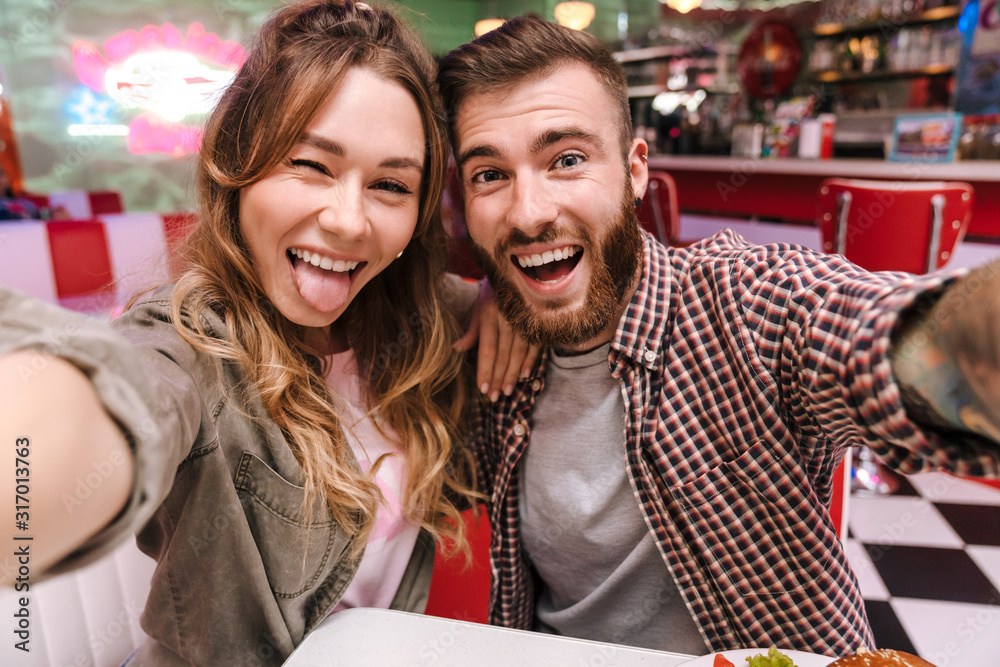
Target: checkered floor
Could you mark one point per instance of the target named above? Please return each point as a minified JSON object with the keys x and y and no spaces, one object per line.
{"x":928,"y":561}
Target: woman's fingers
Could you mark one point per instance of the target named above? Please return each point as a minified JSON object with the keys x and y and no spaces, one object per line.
{"x":489,"y":321}
{"x":504,"y":356}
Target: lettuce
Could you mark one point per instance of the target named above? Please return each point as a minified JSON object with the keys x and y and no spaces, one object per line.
{"x":774,"y":658}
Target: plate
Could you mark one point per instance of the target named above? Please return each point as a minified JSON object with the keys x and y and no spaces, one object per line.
{"x":738,"y":657}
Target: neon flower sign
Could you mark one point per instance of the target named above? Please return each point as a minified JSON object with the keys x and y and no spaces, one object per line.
{"x":167,"y":74}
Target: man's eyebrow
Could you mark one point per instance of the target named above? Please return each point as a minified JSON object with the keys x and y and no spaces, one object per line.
{"x":335,"y":148}
{"x":554,"y":136}
{"x":540,"y":143}
{"x":477,"y":151}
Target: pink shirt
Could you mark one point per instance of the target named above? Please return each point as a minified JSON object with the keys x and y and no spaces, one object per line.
{"x":391,"y":541}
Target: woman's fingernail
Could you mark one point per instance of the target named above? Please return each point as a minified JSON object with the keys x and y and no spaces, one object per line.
{"x":508,"y":390}
{"x":525,"y":372}
{"x":495,"y":396}
{"x":484,"y":388}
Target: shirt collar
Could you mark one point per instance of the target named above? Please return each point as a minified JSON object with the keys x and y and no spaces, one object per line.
{"x":641,"y":329}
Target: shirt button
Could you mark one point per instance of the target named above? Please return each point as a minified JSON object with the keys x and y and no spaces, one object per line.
{"x":536,"y":385}
{"x":519,"y":430}
{"x":649,"y":356}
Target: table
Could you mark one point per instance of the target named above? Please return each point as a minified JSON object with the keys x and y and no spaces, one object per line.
{"x":391,"y":638}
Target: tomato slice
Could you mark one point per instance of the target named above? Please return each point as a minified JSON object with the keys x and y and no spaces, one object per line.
{"x":720,"y":661}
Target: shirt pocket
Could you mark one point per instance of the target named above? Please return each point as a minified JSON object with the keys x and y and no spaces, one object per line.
{"x":758,"y":524}
{"x":297,"y":553}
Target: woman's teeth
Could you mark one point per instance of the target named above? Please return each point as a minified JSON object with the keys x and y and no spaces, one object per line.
{"x":340,"y":266}
{"x":546,"y":257}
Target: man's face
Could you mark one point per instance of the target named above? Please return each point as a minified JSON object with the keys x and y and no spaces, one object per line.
{"x":549,"y":204}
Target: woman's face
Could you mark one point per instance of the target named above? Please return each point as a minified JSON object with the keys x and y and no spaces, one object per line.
{"x":342,"y":204}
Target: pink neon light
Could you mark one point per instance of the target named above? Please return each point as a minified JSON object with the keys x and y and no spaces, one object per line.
{"x":150,"y":134}
{"x":206,"y":45}
{"x":91,"y":65}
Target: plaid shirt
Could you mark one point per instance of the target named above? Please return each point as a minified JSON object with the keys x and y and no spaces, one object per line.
{"x":746,"y":372}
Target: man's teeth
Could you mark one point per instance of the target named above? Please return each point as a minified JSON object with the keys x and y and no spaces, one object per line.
{"x":339,"y":265}
{"x":548,"y":256}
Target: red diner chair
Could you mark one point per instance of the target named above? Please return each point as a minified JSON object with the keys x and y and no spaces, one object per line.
{"x":910,"y":226}
{"x":105,"y":201}
{"x":81,"y":264}
{"x":41,"y":201}
{"x":460,"y":260}
{"x":176,"y":228}
{"x":659,"y":212}
{"x":459,"y":591}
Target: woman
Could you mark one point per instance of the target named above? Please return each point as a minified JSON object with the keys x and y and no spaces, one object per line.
{"x":293,"y":398}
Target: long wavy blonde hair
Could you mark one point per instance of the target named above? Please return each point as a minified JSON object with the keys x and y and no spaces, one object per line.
{"x":400,"y":333}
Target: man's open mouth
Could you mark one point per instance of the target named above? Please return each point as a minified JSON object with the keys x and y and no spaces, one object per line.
{"x":551,"y":265}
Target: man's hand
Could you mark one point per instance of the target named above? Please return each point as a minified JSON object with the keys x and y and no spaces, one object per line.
{"x":947,"y":360}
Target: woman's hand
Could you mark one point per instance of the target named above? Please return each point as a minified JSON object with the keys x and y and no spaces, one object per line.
{"x":503,"y":355}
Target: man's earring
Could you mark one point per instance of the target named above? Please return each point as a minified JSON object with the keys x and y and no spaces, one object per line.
{"x":638,"y":202}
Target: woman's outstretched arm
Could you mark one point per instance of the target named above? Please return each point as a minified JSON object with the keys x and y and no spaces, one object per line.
{"x":66,"y":469}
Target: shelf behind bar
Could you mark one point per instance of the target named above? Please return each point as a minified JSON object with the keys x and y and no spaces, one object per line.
{"x":839,"y":77}
{"x":668,"y":51}
{"x":887,"y":25}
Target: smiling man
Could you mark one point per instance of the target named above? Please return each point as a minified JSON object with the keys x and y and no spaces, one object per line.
{"x":662,"y":477}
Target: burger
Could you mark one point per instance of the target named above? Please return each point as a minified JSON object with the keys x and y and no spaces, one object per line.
{"x":885,"y":657}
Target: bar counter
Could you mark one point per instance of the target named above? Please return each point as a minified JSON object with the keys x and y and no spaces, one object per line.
{"x":786,"y":190}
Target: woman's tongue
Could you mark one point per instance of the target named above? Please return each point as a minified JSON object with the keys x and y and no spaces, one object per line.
{"x":326,"y":291}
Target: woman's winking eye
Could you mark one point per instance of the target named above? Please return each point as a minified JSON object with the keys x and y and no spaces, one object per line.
{"x":311,"y":164}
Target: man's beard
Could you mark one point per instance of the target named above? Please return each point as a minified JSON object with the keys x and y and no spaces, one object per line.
{"x":614,"y":261}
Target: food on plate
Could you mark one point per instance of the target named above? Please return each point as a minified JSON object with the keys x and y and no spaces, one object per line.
{"x":774,"y":658}
{"x":885,"y":657}
{"x":720,"y":661}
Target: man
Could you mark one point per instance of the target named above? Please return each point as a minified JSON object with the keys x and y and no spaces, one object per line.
{"x":662,"y":478}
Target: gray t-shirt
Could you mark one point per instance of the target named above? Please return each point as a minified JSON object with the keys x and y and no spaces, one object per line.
{"x":603,"y":576}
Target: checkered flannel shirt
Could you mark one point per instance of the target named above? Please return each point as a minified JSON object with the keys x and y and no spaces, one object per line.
{"x":746,"y":372}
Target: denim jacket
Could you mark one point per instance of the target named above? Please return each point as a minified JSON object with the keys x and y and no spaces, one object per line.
{"x":217,"y":496}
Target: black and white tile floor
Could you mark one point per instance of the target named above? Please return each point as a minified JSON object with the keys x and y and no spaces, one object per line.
{"x":928,"y":561}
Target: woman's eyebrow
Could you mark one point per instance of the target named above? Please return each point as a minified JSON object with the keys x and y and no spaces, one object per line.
{"x":335,"y":148}
{"x":322,"y":143}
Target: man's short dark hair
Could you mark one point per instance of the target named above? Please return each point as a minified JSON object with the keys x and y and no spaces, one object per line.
{"x":524,"y":48}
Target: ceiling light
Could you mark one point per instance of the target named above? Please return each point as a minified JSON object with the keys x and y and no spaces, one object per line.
{"x":486,"y":25}
{"x":576,"y":15}
{"x":683,"y":6}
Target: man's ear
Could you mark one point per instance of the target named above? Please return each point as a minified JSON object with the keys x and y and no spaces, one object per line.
{"x":637,"y":166}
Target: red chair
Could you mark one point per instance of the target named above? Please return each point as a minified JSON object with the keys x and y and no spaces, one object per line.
{"x":659,"y":212}
{"x":460,"y":260}
{"x":81,"y":264}
{"x":105,"y":201}
{"x":176,"y":228}
{"x":894,"y":225}
{"x":41,"y":201}
{"x":459,"y":592}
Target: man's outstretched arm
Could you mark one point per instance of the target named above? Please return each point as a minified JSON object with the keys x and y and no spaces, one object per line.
{"x":946,"y":356}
